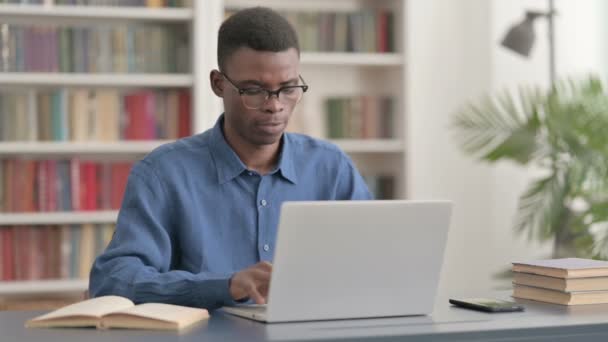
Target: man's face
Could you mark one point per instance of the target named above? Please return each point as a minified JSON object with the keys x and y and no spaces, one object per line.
{"x":249,"y":68}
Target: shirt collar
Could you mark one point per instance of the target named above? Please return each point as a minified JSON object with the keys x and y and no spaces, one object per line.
{"x":286,"y":167}
{"x":229,"y":165}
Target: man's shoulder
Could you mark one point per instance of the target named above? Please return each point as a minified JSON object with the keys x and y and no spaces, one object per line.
{"x":309,"y":145}
{"x":178,"y":150}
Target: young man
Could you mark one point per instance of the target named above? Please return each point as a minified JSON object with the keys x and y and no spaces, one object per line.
{"x":199,"y":217}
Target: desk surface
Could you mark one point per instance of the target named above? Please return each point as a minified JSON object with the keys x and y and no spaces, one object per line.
{"x":540,"y":322}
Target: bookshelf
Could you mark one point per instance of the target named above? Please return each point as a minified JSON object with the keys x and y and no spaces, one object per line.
{"x":370,"y":146}
{"x":63,"y":13}
{"x":36,"y":224}
{"x":330,"y":74}
{"x":142,"y":147}
{"x":58,"y":218}
{"x":46,"y":287}
{"x":358,"y":59}
{"x":87,"y":80}
{"x":35,"y":148}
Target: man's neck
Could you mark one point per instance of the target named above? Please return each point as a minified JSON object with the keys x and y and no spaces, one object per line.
{"x":261,"y":159}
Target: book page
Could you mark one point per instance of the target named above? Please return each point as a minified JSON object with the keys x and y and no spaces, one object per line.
{"x":95,"y":307}
{"x":567,"y":263}
{"x":180,"y":315}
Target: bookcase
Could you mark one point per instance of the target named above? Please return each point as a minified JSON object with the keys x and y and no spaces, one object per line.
{"x":345,"y":76}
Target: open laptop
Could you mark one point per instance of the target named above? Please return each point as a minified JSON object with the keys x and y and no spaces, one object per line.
{"x":354,"y":259}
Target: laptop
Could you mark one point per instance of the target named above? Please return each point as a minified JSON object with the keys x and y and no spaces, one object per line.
{"x":354,"y":259}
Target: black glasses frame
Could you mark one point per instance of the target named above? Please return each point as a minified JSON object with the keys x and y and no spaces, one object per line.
{"x":269,"y":93}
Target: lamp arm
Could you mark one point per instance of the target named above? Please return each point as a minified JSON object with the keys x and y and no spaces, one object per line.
{"x":551,"y":34}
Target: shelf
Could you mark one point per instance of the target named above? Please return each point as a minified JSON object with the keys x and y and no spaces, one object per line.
{"x":144,"y":147}
{"x":308,"y":5}
{"x":52,"y":218}
{"x":370,"y":146}
{"x":79,"y":148}
{"x":96,"y":80}
{"x":351,"y":58}
{"x":63,"y":12}
{"x":43,"y":286}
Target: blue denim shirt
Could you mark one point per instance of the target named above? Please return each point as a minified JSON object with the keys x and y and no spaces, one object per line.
{"x":193,"y":215}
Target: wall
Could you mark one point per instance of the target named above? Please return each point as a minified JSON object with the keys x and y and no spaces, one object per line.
{"x":582,"y":37}
{"x":581,"y":48}
{"x":454,"y":55}
{"x":509,"y":180}
{"x":448,"y":62}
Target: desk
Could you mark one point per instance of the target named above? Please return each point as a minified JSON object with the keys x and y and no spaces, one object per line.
{"x":540,"y":322}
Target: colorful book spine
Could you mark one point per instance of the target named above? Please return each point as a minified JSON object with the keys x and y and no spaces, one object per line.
{"x":62,"y":185}
{"x":134,"y":48}
{"x":363,"y":31}
{"x":51,"y":252}
{"x":95,"y":115}
{"x":381,"y":186}
{"x":361,"y":117}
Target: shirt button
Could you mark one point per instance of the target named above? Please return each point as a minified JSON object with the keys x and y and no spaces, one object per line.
{"x":266,"y":248}
{"x":263,"y":203}
{"x":251,"y":173}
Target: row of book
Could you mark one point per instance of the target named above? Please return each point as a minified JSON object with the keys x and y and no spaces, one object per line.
{"x":129,"y":48}
{"x":567,"y":281}
{"x":127,"y":3}
{"x":362,"y":117}
{"x":368,"y":30}
{"x":61,"y":185}
{"x":22,"y":2}
{"x":52,"y":185}
{"x":51,"y":252}
{"x":382,"y":187}
{"x":94,"y":115}
{"x":363,"y":31}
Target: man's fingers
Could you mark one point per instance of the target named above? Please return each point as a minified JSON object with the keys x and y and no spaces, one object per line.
{"x":255,"y":295}
{"x":263,"y":289}
{"x":260,"y":276}
{"x":265,"y":265}
{"x":254,"y":281}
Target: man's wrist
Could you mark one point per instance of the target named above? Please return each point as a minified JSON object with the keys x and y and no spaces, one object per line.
{"x":241,"y":300}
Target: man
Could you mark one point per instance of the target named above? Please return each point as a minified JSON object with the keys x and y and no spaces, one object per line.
{"x":198,"y":221}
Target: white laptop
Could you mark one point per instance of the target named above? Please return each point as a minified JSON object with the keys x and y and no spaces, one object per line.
{"x":354,"y":259}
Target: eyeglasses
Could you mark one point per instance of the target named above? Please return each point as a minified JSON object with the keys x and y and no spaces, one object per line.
{"x":255,"y":97}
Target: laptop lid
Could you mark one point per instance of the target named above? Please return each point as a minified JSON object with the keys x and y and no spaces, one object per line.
{"x":356,"y":259}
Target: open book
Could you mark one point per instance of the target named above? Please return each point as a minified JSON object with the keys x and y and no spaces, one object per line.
{"x":119,"y":312}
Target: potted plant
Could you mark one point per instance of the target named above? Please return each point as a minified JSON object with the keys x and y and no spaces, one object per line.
{"x":562,"y":133}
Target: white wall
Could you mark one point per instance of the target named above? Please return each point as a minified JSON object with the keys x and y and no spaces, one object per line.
{"x":581,"y":48}
{"x":448,"y":62}
{"x":454,"y":55}
{"x":582,"y":37}
{"x":509,"y":180}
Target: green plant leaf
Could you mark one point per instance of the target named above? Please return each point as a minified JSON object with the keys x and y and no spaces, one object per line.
{"x":520,"y":146}
{"x":564,"y":132}
{"x":502,"y":128}
{"x":542,"y":206}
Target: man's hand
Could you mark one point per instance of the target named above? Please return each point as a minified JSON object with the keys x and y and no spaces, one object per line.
{"x":252,"y":282}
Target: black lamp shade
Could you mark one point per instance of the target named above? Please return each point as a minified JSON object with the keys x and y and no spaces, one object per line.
{"x":520,"y":37}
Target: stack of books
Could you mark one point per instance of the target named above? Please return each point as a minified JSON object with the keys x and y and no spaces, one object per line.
{"x":569,"y":281}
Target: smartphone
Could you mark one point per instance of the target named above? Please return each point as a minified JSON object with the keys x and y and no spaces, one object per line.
{"x":487,"y":304}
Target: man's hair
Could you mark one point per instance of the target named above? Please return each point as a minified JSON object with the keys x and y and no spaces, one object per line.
{"x":258,"y":28}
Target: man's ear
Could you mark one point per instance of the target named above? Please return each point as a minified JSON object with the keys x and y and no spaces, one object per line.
{"x":217,"y":83}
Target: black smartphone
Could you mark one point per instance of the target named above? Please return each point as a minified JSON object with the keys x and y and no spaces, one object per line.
{"x":487,"y":304}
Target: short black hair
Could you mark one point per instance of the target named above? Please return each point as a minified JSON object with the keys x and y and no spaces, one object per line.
{"x":258,"y":28}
